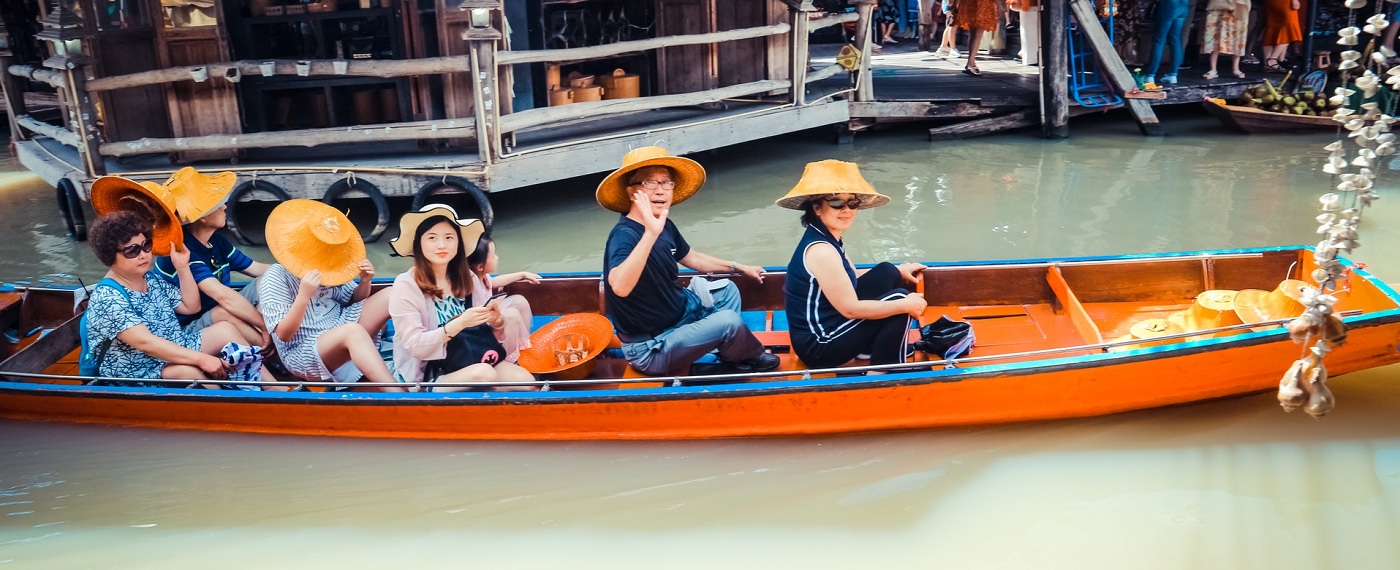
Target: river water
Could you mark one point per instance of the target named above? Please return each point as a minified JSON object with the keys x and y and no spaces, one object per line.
{"x":1228,"y":484}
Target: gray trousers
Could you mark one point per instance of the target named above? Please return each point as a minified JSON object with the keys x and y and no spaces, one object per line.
{"x":701,"y":330}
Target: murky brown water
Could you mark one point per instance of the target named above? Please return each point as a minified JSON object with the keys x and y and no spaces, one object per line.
{"x":1229,"y":484}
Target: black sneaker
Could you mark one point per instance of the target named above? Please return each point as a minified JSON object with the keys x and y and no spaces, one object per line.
{"x":763,"y":363}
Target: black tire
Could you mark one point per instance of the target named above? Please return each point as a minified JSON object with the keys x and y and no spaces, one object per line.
{"x":70,"y":206}
{"x":237,"y":194}
{"x":342,"y":187}
{"x":457,"y":184}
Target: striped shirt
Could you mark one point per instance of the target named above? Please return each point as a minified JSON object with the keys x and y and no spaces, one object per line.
{"x":329,"y":308}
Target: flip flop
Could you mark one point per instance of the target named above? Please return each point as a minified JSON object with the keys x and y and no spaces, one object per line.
{"x":972,"y":71}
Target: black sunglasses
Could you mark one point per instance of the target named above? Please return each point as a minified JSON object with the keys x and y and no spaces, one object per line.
{"x":135,"y":249}
{"x":843,"y":203}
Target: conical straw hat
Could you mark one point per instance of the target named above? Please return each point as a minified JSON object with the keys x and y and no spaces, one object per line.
{"x":196,"y":194}
{"x":1211,"y":309}
{"x":567,"y":343}
{"x":470,"y":228}
{"x":826,"y":177}
{"x":1149,"y":329}
{"x":1284,"y":302}
{"x":689,"y":177}
{"x":305,"y":234}
{"x":113,"y":193}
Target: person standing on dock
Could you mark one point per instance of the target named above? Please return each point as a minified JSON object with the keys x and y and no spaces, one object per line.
{"x":975,"y":16}
{"x":1227,"y":21}
{"x":665,"y":328}
{"x":1166,"y":31}
{"x":199,"y":201}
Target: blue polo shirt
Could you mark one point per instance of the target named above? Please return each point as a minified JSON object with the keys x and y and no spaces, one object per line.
{"x":657,"y":302}
{"x":215,"y":261}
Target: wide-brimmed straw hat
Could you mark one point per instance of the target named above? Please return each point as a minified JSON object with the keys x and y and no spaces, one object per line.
{"x":470,"y":228}
{"x":305,"y":234}
{"x":1284,"y":302}
{"x":688,"y":175}
{"x":114,"y":193}
{"x":567,"y":346}
{"x":196,"y":194}
{"x":826,"y":177}
{"x":1211,"y":309}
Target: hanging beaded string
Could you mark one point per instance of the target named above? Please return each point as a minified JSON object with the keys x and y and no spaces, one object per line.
{"x":1368,"y":128}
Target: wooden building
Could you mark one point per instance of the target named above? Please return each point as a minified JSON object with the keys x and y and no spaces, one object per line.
{"x":368,"y":99}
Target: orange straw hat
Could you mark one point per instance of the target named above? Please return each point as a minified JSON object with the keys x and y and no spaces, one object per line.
{"x":1212,"y":309}
{"x":305,"y":234}
{"x":470,"y":228}
{"x":826,"y":177}
{"x":196,"y":195}
{"x":1284,"y":302}
{"x":114,"y":193}
{"x":567,"y":346}
{"x":689,"y":176}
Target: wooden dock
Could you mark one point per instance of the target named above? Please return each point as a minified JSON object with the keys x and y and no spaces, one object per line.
{"x":915,"y":85}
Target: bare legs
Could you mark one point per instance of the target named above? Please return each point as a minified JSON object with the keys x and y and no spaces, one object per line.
{"x":1273,"y":57}
{"x":483,"y":372}
{"x":974,"y":41}
{"x":354,"y":342}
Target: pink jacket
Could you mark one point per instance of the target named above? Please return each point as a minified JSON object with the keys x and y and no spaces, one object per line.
{"x":417,"y":338}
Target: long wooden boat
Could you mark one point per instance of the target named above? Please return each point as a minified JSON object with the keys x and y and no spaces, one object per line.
{"x":1052,"y":342}
{"x":1258,"y":122}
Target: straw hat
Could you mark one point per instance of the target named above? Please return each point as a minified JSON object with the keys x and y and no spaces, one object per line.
{"x":567,"y":346}
{"x":689,"y":177}
{"x":195,"y":194}
{"x":827,"y":177}
{"x":305,"y":235}
{"x":1211,"y":309}
{"x":1254,"y":305}
{"x":114,"y":193}
{"x":470,"y":228}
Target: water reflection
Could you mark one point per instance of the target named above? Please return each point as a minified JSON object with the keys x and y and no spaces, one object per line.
{"x":1227,"y":484}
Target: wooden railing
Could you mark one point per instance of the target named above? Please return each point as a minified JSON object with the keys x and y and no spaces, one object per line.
{"x":482,"y":58}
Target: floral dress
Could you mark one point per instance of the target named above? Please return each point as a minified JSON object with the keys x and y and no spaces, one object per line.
{"x":1225,"y":31}
{"x":975,"y":14}
{"x":110,"y":313}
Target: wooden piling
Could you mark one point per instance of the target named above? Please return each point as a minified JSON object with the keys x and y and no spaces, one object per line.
{"x":1113,"y":66}
{"x":1054,"y":70}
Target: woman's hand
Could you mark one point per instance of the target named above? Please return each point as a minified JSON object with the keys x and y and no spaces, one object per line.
{"x":476,"y":316}
{"x":911,"y":271}
{"x":914,"y":305}
{"x":179,"y":256}
{"x":214,"y":367}
{"x":309,"y":283}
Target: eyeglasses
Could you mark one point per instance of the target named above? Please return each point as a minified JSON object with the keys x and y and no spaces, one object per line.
{"x":652,"y":184}
{"x":853,"y":203}
{"x":134,"y":250}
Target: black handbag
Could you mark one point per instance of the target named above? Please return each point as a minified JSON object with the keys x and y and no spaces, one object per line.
{"x":946,"y":338}
{"x":471,"y":346}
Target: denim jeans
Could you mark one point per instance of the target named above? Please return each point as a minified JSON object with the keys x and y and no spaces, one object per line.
{"x":1171,"y":16}
{"x":701,"y":330}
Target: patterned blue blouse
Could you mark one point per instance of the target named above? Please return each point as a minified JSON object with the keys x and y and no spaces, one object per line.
{"x":109,"y":313}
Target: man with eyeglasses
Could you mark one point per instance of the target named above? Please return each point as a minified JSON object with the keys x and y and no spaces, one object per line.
{"x":665,"y":328}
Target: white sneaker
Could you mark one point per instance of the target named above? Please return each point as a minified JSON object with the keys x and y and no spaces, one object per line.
{"x":953,"y":52}
{"x":942,"y":52}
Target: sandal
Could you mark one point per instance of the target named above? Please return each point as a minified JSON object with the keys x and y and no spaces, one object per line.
{"x":972,"y":71}
{"x":1211,"y":74}
{"x":1272,"y":65}
{"x":1239,"y":74}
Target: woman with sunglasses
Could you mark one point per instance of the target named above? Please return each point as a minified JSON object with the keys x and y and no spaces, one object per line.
{"x":146,"y":339}
{"x":834,"y":312}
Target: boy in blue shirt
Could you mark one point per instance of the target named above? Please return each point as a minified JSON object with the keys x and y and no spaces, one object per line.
{"x":200,"y":203}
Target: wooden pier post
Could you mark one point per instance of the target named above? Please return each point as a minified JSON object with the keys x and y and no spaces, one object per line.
{"x":1054,"y":71}
{"x":797,"y":64}
{"x":1112,"y":65}
{"x":865,"y":88}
